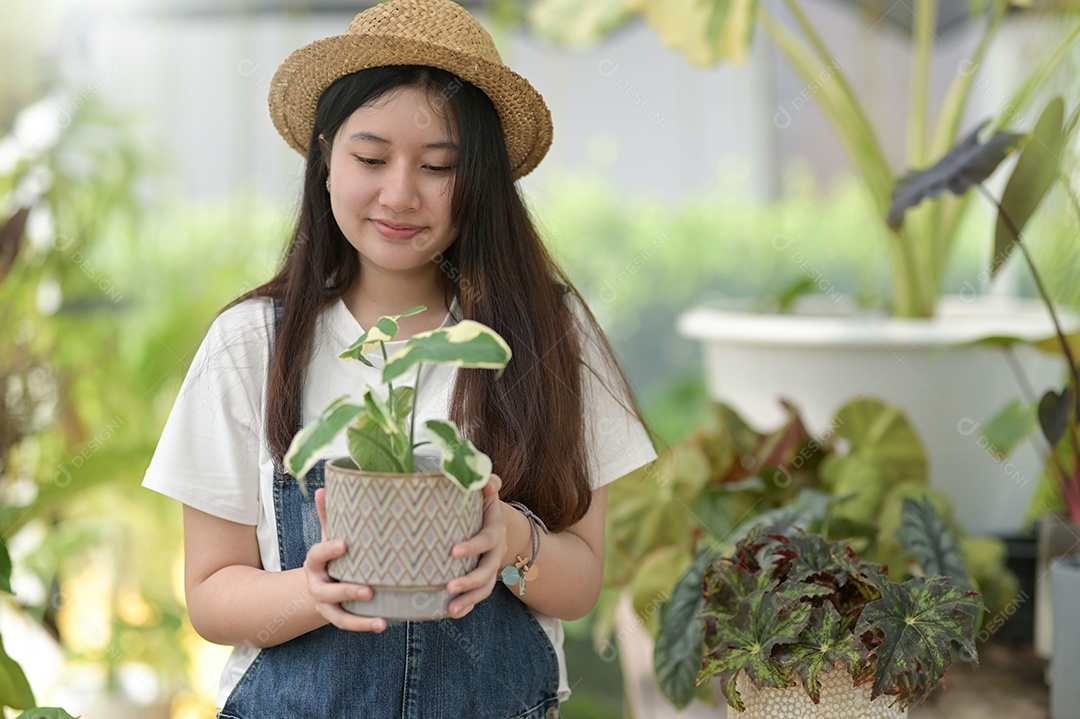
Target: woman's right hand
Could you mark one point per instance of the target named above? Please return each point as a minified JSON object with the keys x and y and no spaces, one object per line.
{"x":329,"y":593}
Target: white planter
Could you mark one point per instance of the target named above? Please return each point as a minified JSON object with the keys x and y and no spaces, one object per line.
{"x":928,"y":367}
{"x":840,"y":699}
{"x":1065,"y":666}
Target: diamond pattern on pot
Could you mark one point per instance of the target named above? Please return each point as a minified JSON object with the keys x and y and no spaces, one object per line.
{"x":399,"y":529}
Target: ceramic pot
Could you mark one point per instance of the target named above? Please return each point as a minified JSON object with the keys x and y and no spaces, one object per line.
{"x":398,"y":531}
{"x":840,"y":699}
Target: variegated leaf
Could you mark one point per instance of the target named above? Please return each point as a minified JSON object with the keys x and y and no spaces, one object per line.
{"x":385,"y":329}
{"x":311,"y":441}
{"x":466,"y":344}
{"x":823,"y":644}
{"x":461,"y":460}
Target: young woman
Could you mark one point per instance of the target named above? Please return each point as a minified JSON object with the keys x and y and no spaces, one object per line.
{"x":414,"y":134}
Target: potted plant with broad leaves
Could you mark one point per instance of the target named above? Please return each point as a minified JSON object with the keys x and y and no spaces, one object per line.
{"x":1056,"y":412}
{"x":400,"y":512}
{"x":797,"y":626}
{"x":825,"y":353}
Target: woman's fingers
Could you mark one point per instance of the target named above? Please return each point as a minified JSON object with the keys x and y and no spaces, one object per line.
{"x":329,"y":593}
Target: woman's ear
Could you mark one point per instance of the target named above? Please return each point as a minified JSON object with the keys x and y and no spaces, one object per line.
{"x":324,"y":147}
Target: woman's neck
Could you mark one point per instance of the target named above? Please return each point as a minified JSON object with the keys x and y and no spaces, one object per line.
{"x":376,"y":296}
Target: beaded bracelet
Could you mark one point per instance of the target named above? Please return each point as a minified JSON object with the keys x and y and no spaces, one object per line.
{"x":525,"y":569}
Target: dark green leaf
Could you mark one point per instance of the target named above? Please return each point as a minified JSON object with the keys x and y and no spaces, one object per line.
{"x":1054,"y":410}
{"x":15,"y":691}
{"x":11,"y":236}
{"x":967,"y":164}
{"x":45,"y":713}
{"x":822,"y":645}
{"x":763,"y":621}
{"x":1035,"y":172}
{"x":915,"y":625}
{"x":678,"y":652}
{"x":370,"y":447}
{"x":807,"y":512}
{"x":5,"y":568}
{"x":931,"y":542}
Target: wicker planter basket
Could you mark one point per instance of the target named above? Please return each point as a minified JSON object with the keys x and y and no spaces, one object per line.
{"x":840,"y":699}
{"x":399,"y":530}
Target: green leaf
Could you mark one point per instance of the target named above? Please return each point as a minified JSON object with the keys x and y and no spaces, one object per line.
{"x":881,"y":436}
{"x":5,"y":568}
{"x":967,"y":164}
{"x":1034,"y":174}
{"x":574,"y":23}
{"x":678,"y":652}
{"x":704,"y":32}
{"x":380,"y":414}
{"x":401,"y":402}
{"x":916,"y":624}
{"x":310,"y":442}
{"x":1010,"y":427}
{"x":1054,"y":411}
{"x":931,"y":542}
{"x":747,"y":642}
{"x":370,"y":447}
{"x":385,"y":330}
{"x":45,"y":713}
{"x":823,"y":644}
{"x":466,"y":344}
{"x":15,"y":690}
{"x":461,"y":460}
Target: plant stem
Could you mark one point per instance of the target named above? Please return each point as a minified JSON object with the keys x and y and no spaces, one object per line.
{"x":1074,"y":370}
{"x":924,"y":21}
{"x":412,"y":415}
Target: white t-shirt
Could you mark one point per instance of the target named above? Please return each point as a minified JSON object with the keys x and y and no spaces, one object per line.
{"x":211,"y":455}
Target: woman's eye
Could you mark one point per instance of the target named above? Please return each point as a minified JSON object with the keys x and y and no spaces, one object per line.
{"x":368,"y":160}
{"x":437,"y":168}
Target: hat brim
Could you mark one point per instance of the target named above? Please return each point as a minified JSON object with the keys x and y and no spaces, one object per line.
{"x":303,"y":77}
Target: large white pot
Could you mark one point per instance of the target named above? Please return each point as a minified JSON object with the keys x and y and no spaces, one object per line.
{"x":947,"y":387}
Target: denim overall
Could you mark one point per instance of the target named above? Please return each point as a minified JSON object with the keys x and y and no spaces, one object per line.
{"x":494,"y":663}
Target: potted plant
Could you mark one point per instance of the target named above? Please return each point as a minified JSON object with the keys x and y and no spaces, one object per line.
{"x":399,"y":511}
{"x":855,"y":482}
{"x":1055,"y":412}
{"x":922,"y":358}
{"x":795,"y":625}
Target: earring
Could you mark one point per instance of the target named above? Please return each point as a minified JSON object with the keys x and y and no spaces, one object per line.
{"x":328,"y":184}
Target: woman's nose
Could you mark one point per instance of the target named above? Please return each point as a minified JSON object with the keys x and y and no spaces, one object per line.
{"x":398,"y":192}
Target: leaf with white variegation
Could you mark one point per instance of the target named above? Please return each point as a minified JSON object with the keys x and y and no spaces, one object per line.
{"x":371,"y":448}
{"x":310,"y":442}
{"x":461,"y":460}
{"x":466,"y":344}
{"x":385,"y":330}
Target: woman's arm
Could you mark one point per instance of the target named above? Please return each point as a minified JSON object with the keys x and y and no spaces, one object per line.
{"x":232,"y":600}
{"x":570,"y":563}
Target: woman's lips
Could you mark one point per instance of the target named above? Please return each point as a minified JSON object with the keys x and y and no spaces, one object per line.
{"x":396,"y":232}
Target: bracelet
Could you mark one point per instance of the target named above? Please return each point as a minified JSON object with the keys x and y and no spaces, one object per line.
{"x":525,"y":569}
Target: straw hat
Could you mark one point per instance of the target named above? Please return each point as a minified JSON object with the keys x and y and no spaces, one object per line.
{"x":436,"y":33}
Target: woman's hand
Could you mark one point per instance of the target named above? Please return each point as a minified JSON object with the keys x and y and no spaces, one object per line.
{"x":490,"y":543}
{"x":329,"y":593}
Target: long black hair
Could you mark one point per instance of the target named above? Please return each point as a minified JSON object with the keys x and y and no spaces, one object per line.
{"x":531,"y":420}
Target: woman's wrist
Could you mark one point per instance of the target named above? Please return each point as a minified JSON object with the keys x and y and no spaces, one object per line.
{"x":518,"y":534}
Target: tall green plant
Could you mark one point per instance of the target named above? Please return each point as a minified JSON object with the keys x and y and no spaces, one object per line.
{"x":711,"y":31}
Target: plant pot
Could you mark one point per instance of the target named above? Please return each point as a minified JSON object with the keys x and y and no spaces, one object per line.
{"x":399,"y":530}
{"x":1065,"y":666}
{"x":1018,"y":625}
{"x":1057,"y":537}
{"x":947,"y":386}
{"x":840,"y":699}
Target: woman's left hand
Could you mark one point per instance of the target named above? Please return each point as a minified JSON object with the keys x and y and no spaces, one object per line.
{"x":490,"y":544}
